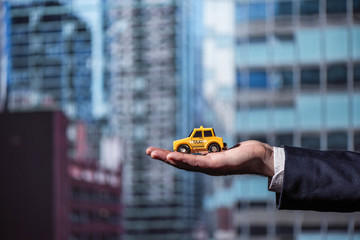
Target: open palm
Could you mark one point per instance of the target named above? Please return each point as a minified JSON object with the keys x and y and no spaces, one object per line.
{"x":249,"y":157}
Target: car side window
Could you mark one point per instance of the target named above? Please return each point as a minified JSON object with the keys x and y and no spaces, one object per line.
{"x":208,"y":133}
{"x":198,"y":134}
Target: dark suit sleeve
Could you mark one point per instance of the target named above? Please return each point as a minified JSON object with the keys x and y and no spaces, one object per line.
{"x":320,"y":180}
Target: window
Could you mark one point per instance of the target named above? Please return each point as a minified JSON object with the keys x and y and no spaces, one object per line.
{"x":357,"y":141}
{"x":284,"y":139}
{"x":258,"y":204}
{"x":257,"y":79}
{"x":260,"y":138}
{"x":337,"y":227}
{"x":283,"y":79}
{"x":284,"y":37}
{"x":337,"y":76}
{"x":257,"y":11}
{"x":190,"y":133}
{"x":258,"y":230}
{"x":335,"y":6}
{"x":198,"y":134}
{"x":241,"y":13}
{"x":283,"y":8}
{"x":284,"y":229}
{"x":208,"y":134}
{"x":357,"y":75}
{"x":309,"y":7}
{"x":337,"y":140}
{"x":310,"y":77}
{"x":20,"y":20}
{"x":310,"y":227}
{"x":310,"y":141}
{"x":240,"y":79}
{"x":257,"y":39}
{"x":356,"y":6}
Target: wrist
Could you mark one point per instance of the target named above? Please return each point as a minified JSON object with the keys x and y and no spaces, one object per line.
{"x":261,"y":161}
{"x":268,"y":161}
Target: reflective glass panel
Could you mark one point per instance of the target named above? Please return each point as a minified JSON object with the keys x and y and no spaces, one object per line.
{"x":357,"y":75}
{"x":337,"y":76}
{"x":310,"y":141}
{"x":356,"y":6}
{"x":283,"y":8}
{"x":257,"y":11}
{"x":310,"y":43}
{"x":310,"y":77}
{"x":284,"y":139}
{"x":335,"y":6}
{"x":309,"y":7}
{"x":282,"y":79}
{"x":337,"y":140}
{"x":241,"y":13}
{"x":357,"y":141}
{"x":258,"y":79}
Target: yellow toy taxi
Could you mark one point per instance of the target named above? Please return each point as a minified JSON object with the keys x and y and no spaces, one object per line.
{"x":200,"y":139}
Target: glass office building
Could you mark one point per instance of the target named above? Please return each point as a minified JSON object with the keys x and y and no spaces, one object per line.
{"x":292,"y":79}
{"x":49,"y":66}
{"x":151,"y":59}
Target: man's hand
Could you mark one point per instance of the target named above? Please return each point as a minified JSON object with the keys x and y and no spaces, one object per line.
{"x":249,"y":157}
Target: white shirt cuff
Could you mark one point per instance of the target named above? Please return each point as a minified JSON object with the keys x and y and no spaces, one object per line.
{"x":276,"y":182}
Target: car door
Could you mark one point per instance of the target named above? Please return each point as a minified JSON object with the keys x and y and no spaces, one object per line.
{"x":208,"y":135}
{"x":197,"y":139}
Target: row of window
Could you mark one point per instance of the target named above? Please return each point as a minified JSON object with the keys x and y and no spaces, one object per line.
{"x":260,"y":10}
{"x":198,"y":134}
{"x":94,"y":196}
{"x":101,"y":215}
{"x":94,"y":236}
{"x":287,"y":229}
{"x":335,"y":140}
{"x":336,"y":77}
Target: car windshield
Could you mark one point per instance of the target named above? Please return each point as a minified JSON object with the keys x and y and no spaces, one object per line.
{"x":191,"y":133}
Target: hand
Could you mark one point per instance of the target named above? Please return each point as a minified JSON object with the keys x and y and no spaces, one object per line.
{"x":249,"y":157}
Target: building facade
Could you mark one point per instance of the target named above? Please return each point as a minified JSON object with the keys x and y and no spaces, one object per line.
{"x":292,"y":79}
{"x":49,"y":65}
{"x":94,"y":201}
{"x":49,"y":195}
{"x":147,"y":93}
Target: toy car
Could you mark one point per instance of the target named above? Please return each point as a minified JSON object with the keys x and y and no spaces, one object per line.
{"x":200,"y":139}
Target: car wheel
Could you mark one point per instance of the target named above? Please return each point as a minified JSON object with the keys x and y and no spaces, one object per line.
{"x":184,"y":148}
{"x":214,"y":147}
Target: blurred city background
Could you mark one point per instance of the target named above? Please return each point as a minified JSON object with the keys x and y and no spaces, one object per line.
{"x":87,"y":85}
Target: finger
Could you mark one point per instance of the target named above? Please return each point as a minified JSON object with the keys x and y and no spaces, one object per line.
{"x":193,"y":161}
{"x":235,"y":146}
{"x":149,"y":150}
{"x":212,"y":164}
{"x":159,"y":154}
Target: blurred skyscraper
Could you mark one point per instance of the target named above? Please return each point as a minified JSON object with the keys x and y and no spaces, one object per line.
{"x":50,"y":48}
{"x":2,"y":58}
{"x":49,"y":66}
{"x":289,"y":72}
{"x":152,"y":56}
